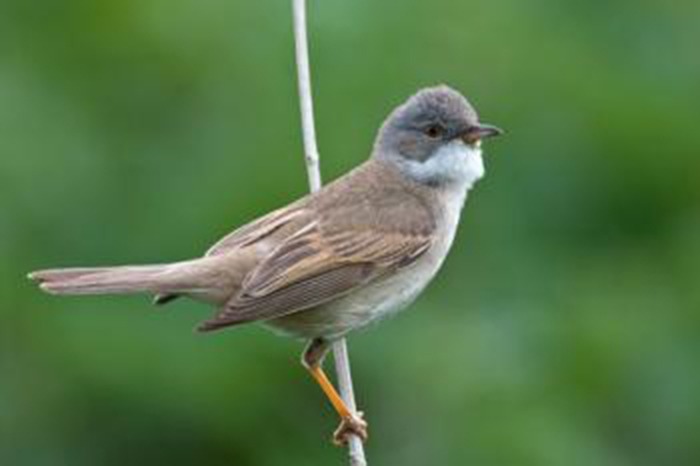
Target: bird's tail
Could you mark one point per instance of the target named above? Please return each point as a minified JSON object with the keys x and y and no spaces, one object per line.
{"x":179,"y":277}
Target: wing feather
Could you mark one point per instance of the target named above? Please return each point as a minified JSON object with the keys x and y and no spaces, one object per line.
{"x":257,"y":230}
{"x":313,"y":267}
{"x":360,"y":228}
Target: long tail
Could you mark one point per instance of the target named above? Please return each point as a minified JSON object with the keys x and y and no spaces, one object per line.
{"x":179,"y":277}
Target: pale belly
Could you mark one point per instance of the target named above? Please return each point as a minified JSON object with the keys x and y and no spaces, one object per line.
{"x":364,"y":306}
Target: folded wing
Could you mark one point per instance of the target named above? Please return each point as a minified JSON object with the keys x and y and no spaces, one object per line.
{"x":326,"y":259}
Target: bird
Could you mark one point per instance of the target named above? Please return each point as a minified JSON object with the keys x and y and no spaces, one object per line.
{"x":334,"y":261}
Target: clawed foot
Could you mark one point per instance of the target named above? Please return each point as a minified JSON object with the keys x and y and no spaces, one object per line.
{"x":353,"y":425}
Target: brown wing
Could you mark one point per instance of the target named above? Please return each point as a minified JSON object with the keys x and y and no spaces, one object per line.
{"x":259,"y":229}
{"x":324,"y":260}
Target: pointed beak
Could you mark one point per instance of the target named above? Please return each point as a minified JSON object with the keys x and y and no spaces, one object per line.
{"x":481,"y":131}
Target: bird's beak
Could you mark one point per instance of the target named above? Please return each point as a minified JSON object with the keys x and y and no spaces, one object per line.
{"x":481,"y":131}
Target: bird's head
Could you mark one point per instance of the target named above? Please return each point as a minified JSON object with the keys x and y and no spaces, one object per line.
{"x":435,"y":137}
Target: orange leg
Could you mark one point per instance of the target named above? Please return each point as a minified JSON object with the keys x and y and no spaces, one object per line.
{"x":328,"y":388}
{"x":351,"y":423}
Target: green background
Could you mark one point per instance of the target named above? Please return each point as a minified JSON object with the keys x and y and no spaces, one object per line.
{"x":563,"y":330}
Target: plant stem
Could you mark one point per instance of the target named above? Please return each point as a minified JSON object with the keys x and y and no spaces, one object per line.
{"x":340,"y":351}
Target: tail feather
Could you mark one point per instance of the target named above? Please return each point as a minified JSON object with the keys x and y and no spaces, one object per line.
{"x":164,"y":298}
{"x":98,"y":280}
{"x":207,"y":279}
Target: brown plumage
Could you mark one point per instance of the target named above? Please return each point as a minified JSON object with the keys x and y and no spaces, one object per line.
{"x":318,"y":249}
{"x":359,"y":249}
{"x":327,"y":245}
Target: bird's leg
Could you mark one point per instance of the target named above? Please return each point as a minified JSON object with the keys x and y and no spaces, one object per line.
{"x":351,"y":423}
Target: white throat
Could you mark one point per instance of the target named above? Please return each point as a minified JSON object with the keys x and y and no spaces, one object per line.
{"x":455,"y":162}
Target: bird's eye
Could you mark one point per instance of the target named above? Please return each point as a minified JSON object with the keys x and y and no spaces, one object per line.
{"x":434,"y":131}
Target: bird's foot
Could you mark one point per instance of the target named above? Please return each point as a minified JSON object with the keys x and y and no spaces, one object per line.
{"x":351,"y":425}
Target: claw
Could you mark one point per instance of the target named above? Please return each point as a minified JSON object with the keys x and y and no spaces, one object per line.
{"x":352,"y":425}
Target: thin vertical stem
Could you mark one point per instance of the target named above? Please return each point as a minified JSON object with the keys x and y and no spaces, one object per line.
{"x":342,"y":367}
{"x":340,"y":351}
{"x":305,"y":100}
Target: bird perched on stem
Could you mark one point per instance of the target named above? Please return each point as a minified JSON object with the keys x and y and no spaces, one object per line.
{"x":336,"y":260}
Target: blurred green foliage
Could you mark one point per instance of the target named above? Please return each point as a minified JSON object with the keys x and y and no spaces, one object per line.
{"x":563,"y":330}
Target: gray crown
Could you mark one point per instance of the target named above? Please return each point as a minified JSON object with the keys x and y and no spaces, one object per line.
{"x":406,"y":131}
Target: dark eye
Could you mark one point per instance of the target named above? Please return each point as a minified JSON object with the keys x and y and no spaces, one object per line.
{"x":434,"y":131}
